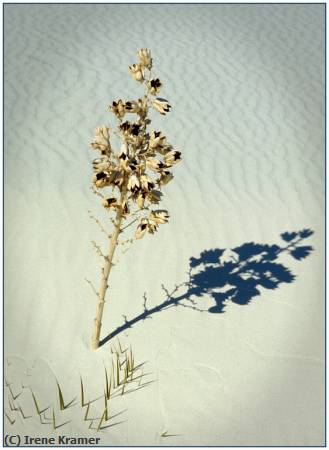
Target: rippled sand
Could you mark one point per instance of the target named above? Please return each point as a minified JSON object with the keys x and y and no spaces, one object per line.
{"x":247,"y":87}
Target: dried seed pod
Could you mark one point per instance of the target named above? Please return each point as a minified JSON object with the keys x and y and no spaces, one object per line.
{"x":143,"y":110}
{"x":118,"y":108}
{"x":125,"y":208}
{"x":172,"y":157}
{"x":154,"y":86}
{"x":136,"y":72}
{"x":123,"y":157}
{"x":157,"y":139}
{"x":101,"y":164}
{"x":155,"y":164}
{"x":145,"y":58}
{"x":146,"y":183}
{"x":159,"y":217}
{"x":151,"y":227}
{"x":132,"y":106}
{"x":145,"y":226}
{"x":141,"y":200}
{"x":101,"y":179}
{"x":109,"y":202}
{"x":161,"y":105}
{"x":101,"y":140}
{"x":118,"y":178}
{"x":133,"y":183}
{"x":165,"y":177}
{"x":141,"y":229}
{"x":154,"y":196}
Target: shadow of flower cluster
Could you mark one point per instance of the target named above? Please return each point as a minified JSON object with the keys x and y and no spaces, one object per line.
{"x":251,"y":266}
{"x":234,"y":275}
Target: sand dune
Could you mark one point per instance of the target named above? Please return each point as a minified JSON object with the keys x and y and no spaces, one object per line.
{"x":247,"y":87}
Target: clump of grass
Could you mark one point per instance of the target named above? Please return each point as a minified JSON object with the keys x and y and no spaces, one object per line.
{"x":123,"y":377}
{"x":129,"y":181}
{"x":123,"y":369}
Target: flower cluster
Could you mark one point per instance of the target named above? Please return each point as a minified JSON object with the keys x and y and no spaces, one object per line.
{"x":138,"y":170}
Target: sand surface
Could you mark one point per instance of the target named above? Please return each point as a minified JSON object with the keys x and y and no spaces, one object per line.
{"x":246,"y":83}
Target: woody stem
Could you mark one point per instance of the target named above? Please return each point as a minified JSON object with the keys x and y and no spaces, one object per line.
{"x":105,"y":276}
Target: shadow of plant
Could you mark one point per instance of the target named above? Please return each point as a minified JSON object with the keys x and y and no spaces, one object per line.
{"x":234,"y":275}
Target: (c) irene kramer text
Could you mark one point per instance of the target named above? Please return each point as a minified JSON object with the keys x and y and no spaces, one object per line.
{"x":60,"y":440}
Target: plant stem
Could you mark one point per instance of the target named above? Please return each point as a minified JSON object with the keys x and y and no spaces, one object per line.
{"x":105,"y":275}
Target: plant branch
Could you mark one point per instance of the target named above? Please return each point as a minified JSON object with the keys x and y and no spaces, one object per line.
{"x":96,"y":192}
{"x":133,"y":221}
{"x":101,"y":226}
{"x":92,"y":287}
{"x":98,"y":250}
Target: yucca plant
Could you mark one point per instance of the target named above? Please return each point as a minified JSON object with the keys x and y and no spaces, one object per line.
{"x":129,"y":180}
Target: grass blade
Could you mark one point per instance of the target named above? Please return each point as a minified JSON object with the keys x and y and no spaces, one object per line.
{"x":23,"y":415}
{"x":48,"y":420}
{"x":87,"y":412}
{"x":112,"y":425}
{"x":39,"y":411}
{"x":106,"y":408}
{"x":12,"y":394}
{"x":12,"y":405}
{"x":113,"y":375}
{"x":12,"y":421}
{"x":166,"y":434}
{"x":62,"y":405}
{"x":61,"y":398}
{"x":54,"y":422}
{"x":140,"y":380}
{"x":100,"y":422}
{"x":82,"y":392}
{"x":118,"y":371}
{"x":108,"y":385}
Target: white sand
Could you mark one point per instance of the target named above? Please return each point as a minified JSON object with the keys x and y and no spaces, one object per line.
{"x":247,"y":87}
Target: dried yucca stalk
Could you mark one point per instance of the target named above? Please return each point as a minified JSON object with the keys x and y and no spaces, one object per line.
{"x":129,"y":181}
